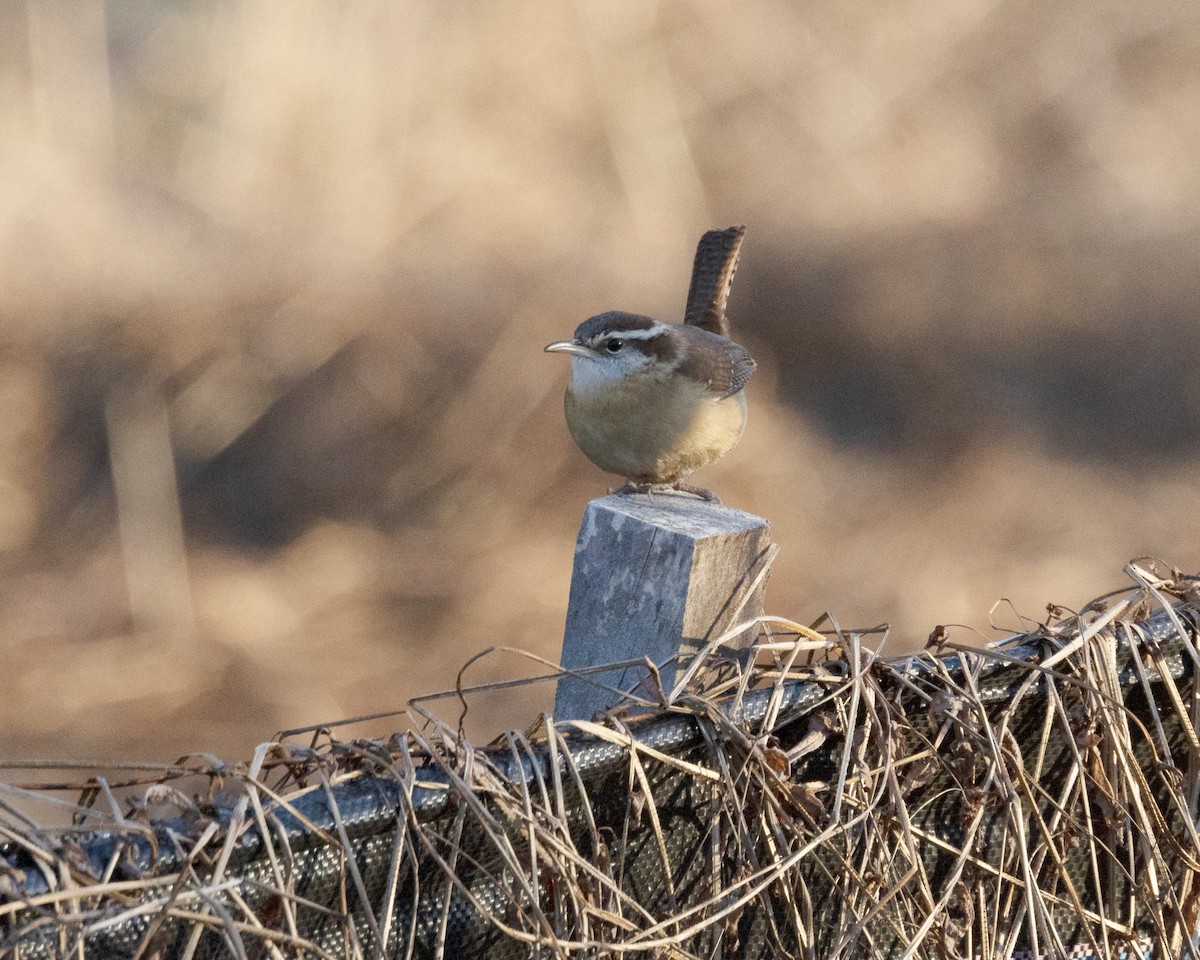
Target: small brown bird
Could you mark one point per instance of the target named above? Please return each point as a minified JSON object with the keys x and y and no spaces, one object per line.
{"x":654,"y":401}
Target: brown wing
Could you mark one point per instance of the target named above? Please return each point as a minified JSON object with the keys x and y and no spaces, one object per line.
{"x":741,"y":367}
{"x":724,"y":367}
{"x":712,"y":275}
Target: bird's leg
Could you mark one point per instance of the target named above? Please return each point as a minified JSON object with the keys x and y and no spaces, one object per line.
{"x":632,"y":487}
{"x":700,"y":492}
{"x":650,"y":489}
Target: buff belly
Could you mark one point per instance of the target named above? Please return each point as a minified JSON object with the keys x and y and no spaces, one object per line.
{"x":652,"y":433}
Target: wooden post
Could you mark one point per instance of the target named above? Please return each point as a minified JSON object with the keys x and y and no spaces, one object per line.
{"x":656,"y":576}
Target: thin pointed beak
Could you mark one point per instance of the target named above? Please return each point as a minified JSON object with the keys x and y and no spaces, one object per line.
{"x":573,"y":347}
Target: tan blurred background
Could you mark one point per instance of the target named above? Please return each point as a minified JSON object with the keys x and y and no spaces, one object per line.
{"x":279,"y":444}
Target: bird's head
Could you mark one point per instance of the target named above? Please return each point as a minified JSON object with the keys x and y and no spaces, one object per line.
{"x":612,"y":346}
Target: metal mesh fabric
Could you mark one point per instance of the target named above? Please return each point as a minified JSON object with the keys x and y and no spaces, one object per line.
{"x":973,"y":805}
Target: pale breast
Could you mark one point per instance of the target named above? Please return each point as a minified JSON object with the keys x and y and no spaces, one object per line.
{"x":654,"y":432}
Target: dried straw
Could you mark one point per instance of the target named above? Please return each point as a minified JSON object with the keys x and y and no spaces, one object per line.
{"x":1033,"y":798}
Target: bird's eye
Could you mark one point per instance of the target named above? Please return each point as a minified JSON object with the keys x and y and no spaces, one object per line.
{"x":614,"y":345}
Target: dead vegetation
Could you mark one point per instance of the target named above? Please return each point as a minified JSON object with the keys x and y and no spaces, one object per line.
{"x":1033,"y":798}
{"x":275,"y":280}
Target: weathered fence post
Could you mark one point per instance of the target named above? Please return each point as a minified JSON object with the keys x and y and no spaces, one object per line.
{"x":655,"y":576}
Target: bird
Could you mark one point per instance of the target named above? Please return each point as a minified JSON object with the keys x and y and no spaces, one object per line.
{"x":653,"y":401}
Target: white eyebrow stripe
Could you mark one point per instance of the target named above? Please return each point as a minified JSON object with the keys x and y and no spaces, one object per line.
{"x":648,"y":334}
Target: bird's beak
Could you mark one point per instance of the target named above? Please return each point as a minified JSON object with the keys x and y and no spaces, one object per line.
{"x":573,"y":347}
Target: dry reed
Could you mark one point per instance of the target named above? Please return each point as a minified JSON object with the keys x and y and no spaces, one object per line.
{"x":1035,"y":798}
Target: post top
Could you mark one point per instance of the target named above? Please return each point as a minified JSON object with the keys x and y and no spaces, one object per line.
{"x":680,"y":512}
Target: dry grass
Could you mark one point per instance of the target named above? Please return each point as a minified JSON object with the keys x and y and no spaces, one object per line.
{"x":278,"y":442}
{"x":1023,"y":800}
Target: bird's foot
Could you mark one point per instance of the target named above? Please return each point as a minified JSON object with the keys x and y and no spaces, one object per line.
{"x":650,"y":489}
{"x":647,"y":488}
{"x":701,"y":492}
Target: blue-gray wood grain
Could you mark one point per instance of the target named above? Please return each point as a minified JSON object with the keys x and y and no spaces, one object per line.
{"x":655,"y":576}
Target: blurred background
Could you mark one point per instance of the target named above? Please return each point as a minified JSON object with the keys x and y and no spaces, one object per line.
{"x":279,"y":443}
